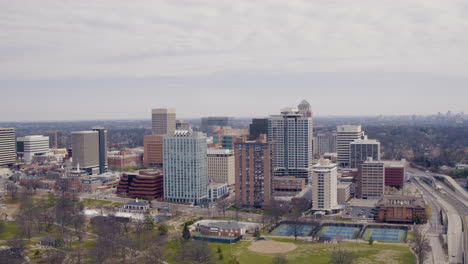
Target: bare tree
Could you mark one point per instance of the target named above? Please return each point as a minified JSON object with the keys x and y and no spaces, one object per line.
{"x":274,"y":212}
{"x":197,"y":252}
{"x":222,"y":205}
{"x":279,"y":260}
{"x":295,"y":223}
{"x":12,"y":190}
{"x":341,"y":256}
{"x":421,"y":245}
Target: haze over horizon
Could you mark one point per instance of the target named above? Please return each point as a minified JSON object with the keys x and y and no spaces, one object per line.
{"x":97,"y":60}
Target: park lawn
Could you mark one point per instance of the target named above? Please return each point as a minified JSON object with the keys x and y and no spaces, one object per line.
{"x":9,"y":231}
{"x":304,"y":254}
{"x":319,"y":253}
{"x":95,"y":203}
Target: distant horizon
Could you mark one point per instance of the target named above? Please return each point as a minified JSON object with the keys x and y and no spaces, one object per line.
{"x":236,"y":117}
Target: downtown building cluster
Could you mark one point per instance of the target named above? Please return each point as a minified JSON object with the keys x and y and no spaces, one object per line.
{"x":277,"y":158}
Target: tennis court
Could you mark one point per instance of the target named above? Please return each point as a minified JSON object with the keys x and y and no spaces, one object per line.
{"x":345,"y":232}
{"x":288,"y":230}
{"x":381,"y":234}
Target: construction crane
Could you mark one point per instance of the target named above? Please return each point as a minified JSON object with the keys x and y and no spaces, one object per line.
{"x":55,"y":132}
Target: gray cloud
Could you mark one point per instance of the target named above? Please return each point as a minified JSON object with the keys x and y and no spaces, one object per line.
{"x":354,"y":47}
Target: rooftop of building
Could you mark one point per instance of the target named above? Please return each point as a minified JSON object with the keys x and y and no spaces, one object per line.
{"x":33,"y":137}
{"x":214,"y":151}
{"x":348,"y":128}
{"x":365,"y":141}
{"x":394,"y":163}
{"x":215,"y":185}
{"x":324,"y":163}
{"x":224,"y":225}
{"x":401,"y":201}
{"x":137,"y":203}
{"x":85,"y":132}
{"x":163,"y":111}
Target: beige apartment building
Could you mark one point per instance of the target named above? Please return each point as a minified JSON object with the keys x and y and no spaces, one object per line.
{"x":324,"y":186}
{"x":153,"y":151}
{"x":221,"y":168}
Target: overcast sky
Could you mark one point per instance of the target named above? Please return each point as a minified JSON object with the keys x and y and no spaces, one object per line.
{"x":111,"y":59}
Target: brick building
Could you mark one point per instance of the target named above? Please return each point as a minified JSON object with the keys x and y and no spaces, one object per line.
{"x":401,"y":209}
{"x":143,"y":185}
{"x":123,"y":158}
{"x":153,"y":151}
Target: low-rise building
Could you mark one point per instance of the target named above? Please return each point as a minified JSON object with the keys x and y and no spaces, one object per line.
{"x":137,"y":206}
{"x":344,"y":192}
{"x":217,"y":191}
{"x":401,"y":209}
{"x":124,"y":158}
{"x":288,"y":184}
{"x":90,"y":184}
{"x":229,"y":229}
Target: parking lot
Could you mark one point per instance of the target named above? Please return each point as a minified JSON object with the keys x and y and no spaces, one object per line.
{"x":359,"y":212}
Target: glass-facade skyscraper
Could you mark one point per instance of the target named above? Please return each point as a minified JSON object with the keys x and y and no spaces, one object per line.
{"x":185,"y":167}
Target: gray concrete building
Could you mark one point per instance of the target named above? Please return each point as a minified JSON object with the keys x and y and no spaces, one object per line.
{"x":90,"y":150}
{"x":325,"y":142}
{"x":185,"y":167}
{"x":7,"y":146}
{"x":163,"y":121}
{"x":362,"y":149}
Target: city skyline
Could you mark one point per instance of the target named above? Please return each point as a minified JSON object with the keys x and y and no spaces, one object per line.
{"x":63,"y":62}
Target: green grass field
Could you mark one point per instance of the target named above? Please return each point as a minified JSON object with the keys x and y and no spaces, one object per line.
{"x":307,"y":253}
{"x":94,"y":203}
{"x":9,"y":230}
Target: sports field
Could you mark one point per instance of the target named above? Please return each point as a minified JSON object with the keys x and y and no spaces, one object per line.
{"x":288,"y":230}
{"x":389,"y":235}
{"x":329,"y":232}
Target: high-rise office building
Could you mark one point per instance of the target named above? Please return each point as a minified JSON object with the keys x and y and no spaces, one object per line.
{"x":163,"y":121}
{"x":344,"y":136}
{"x":102,"y":140}
{"x":253,"y":173}
{"x":153,"y":151}
{"x":370,"y":180}
{"x":90,"y":150}
{"x":259,"y":126}
{"x":290,"y":135}
{"x":30,"y":146}
{"x":207,"y":123}
{"x":325,"y":143}
{"x":185,"y":167}
{"x":362,"y":149}
{"x":324,"y":186}
{"x":221,"y":166}
{"x":7,"y":146}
